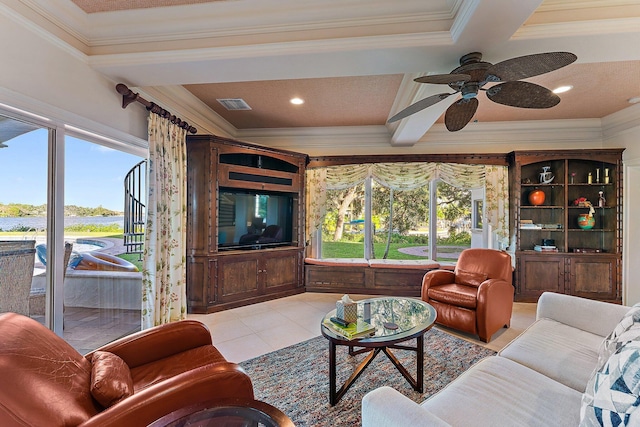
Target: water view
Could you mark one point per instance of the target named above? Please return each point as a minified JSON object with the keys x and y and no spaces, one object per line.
{"x":40,"y":223}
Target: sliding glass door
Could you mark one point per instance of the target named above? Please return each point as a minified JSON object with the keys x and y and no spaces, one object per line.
{"x":63,"y":259}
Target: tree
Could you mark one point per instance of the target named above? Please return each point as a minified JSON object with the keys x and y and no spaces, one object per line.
{"x":342,"y":202}
{"x":453,"y":204}
{"x":410,"y":208}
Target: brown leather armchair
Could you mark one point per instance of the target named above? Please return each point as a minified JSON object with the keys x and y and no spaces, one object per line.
{"x":477,"y":297}
{"x":45,"y":382}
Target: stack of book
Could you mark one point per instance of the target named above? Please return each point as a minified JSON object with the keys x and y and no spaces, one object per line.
{"x":527,"y":224}
{"x":352,"y":331}
{"x":540,"y":248}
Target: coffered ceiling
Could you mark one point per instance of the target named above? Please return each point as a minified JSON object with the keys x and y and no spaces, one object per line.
{"x":353,"y":62}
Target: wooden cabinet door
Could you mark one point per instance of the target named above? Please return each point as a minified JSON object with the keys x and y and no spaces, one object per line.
{"x":279,"y":270}
{"x":538,"y":273}
{"x":238,"y":277}
{"x":593,"y":277}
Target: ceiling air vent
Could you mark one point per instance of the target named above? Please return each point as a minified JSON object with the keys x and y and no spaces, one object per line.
{"x":234,"y":104}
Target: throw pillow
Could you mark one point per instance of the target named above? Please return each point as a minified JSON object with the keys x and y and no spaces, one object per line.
{"x":612,"y":394}
{"x":464,"y":277}
{"x":110,"y":378}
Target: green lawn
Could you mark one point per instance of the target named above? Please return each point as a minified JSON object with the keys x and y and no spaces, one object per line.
{"x":356,"y":250}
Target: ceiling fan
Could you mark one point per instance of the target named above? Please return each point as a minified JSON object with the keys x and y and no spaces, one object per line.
{"x":473,"y":74}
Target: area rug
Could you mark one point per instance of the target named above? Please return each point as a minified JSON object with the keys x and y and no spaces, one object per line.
{"x":296,"y":379}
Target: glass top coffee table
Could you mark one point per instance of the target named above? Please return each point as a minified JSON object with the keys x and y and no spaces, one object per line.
{"x":226,"y":412}
{"x":396,"y":320}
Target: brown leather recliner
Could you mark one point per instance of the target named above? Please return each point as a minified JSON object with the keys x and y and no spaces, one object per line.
{"x":45,"y":382}
{"x":477,"y":297}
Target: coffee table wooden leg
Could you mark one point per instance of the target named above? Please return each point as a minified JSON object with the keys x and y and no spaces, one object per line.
{"x":335,"y":396}
{"x":333,"y":399}
{"x":420,"y":363}
{"x":418,"y":383}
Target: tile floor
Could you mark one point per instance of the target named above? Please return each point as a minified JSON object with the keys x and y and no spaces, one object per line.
{"x":250,"y":331}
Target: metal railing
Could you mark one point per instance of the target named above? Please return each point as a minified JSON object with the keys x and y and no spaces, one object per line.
{"x":134,"y":210}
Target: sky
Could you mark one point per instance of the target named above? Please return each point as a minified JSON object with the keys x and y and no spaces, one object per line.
{"x":94,"y":175}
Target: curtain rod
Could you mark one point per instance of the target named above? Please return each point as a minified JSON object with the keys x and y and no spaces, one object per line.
{"x":128,"y":96}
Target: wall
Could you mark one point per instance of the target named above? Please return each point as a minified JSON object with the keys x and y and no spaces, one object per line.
{"x":47,"y":79}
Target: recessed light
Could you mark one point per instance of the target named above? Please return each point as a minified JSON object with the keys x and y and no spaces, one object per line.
{"x":562,"y":89}
{"x":296,"y":101}
{"x":634,"y":100}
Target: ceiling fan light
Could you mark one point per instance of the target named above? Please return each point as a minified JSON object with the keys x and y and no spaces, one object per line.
{"x":562,"y":89}
{"x":296,"y":101}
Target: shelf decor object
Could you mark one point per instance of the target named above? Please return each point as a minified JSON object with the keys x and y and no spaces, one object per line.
{"x":536,"y":197}
{"x":586,"y":221}
{"x":586,"y":259}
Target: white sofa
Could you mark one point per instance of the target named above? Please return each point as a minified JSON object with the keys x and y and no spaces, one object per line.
{"x":537,"y":380}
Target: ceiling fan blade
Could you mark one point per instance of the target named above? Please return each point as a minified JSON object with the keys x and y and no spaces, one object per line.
{"x":527,"y":66}
{"x":460,"y":113}
{"x":523,"y":95}
{"x":444,"y":79}
{"x":420,"y":105}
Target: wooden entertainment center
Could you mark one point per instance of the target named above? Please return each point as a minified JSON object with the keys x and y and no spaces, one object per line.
{"x":229,"y":185}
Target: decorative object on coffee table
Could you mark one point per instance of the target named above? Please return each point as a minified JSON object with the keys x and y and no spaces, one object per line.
{"x":346,"y":309}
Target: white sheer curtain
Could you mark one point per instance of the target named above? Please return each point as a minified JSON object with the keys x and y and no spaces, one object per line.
{"x":409,"y":176}
{"x":164,"y":291}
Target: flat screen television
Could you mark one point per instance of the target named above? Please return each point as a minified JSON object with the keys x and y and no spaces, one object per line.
{"x":250,"y":219}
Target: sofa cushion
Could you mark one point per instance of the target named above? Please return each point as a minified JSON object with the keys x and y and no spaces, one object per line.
{"x":561,"y":352}
{"x":612,"y":395}
{"x":499,"y":392}
{"x":454,"y":294}
{"x":469,"y":278}
{"x":110,"y":378}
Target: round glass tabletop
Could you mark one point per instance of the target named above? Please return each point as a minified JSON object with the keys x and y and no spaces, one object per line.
{"x":394,"y":318}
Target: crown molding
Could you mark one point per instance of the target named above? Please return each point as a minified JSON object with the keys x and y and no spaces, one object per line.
{"x":585,"y":131}
{"x":224,"y":19}
{"x":476,"y":137}
{"x":32,"y":21}
{"x":191,"y":109}
{"x":578,"y":28}
{"x":621,"y":121}
{"x":268,"y":49}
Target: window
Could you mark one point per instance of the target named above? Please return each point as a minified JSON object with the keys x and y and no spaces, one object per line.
{"x":390,"y":212}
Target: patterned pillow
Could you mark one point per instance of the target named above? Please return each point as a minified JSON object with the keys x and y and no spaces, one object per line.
{"x":613,"y":391}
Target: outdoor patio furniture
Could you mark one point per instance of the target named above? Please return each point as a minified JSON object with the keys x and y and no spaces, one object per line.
{"x":37,"y":295}
{"x":17,"y":258}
